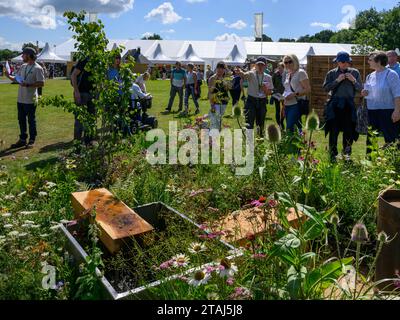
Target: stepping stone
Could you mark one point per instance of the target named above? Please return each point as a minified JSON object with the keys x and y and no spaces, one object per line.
{"x":117,"y":222}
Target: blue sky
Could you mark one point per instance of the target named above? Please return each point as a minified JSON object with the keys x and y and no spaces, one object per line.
{"x":31,"y":20}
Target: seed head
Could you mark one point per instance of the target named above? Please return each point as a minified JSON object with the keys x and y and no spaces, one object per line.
{"x":237,"y":112}
{"x":274,"y":133}
{"x":312,"y":123}
{"x":383,"y":237}
{"x":359,"y":233}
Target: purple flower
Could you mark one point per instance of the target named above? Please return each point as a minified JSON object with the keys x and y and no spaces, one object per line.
{"x":259,"y":256}
{"x":210,"y":269}
{"x":230,"y":281}
{"x":166,"y":265}
{"x":59,"y":285}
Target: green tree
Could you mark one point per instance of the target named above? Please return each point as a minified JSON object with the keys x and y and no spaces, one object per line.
{"x":391,"y":29}
{"x":7,"y":54}
{"x":265,"y":38}
{"x":368,"y":19}
{"x":154,"y":36}
{"x":367,"y":41}
{"x":111,"y":99}
{"x":306,"y":38}
{"x":286,"y":40}
{"x":344,"y":36}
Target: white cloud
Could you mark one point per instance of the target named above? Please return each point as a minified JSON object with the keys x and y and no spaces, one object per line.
{"x":43,"y":13}
{"x":4,"y":44}
{"x":324,"y":25}
{"x":195,"y":1}
{"x":147,"y":34}
{"x":168,"y":31}
{"x":165,"y":12}
{"x":232,"y":37}
{"x":238,"y":25}
{"x":222,"y":20}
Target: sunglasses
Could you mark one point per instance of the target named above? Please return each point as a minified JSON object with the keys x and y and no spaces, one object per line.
{"x":288,"y":62}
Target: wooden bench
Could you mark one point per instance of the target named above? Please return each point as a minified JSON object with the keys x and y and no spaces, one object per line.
{"x":115,"y":219}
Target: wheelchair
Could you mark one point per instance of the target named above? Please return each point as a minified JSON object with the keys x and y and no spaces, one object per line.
{"x":140,"y":120}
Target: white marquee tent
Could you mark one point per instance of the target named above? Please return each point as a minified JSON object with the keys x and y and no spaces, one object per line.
{"x":235,"y":58}
{"x":190,"y":56}
{"x":211,"y":52}
{"x":48,"y":56}
{"x":156,"y":55}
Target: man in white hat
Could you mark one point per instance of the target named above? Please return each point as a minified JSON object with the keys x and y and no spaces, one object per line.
{"x":30,"y":77}
{"x":260,"y":86}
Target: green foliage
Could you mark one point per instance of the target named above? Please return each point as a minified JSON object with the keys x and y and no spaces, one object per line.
{"x":111,"y":99}
{"x":154,"y":36}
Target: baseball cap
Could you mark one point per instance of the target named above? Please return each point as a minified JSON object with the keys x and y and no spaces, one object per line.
{"x":29,"y":50}
{"x":261,"y":60}
{"x":343,"y":56}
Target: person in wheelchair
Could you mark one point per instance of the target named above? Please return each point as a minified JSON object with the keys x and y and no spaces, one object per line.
{"x":141,"y":101}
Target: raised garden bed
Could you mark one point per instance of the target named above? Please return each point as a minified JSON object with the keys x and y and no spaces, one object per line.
{"x":135,"y":269}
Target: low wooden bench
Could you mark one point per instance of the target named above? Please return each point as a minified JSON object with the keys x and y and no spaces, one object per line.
{"x":115,"y":219}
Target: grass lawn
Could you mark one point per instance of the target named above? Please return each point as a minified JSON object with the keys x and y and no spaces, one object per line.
{"x":55,"y":127}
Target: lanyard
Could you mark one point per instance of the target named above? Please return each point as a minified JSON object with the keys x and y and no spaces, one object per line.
{"x":260,"y":83}
{"x":29,"y":72}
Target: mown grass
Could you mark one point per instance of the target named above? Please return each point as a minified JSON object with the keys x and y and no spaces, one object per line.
{"x":55,"y":127}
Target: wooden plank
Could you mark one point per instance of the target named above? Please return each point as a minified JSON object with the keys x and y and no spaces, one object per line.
{"x":237,"y":226}
{"x":115,"y":219}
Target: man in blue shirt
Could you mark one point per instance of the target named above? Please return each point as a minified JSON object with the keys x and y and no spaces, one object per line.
{"x":393,"y":61}
{"x":113,"y":72}
{"x":178,"y":82}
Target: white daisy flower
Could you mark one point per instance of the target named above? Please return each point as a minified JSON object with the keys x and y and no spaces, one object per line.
{"x":3,"y":183}
{"x":50,"y":185}
{"x":6,"y":215}
{"x":199,"y":278}
{"x":26,"y":225}
{"x":55,"y":227}
{"x":35,"y":226}
{"x":21,"y":194}
{"x":180,"y":260}
{"x":197,"y":247}
{"x":9,"y":197}
{"x":226,"y":268}
{"x":22,"y":235}
{"x":29,"y":222}
{"x":28,"y":213}
{"x":63,"y":221}
{"x":45,"y":235}
{"x":43,"y":194}
{"x":8,"y":226}
{"x":13,"y":233}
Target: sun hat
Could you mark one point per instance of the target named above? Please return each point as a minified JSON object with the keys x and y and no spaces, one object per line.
{"x":343,"y":56}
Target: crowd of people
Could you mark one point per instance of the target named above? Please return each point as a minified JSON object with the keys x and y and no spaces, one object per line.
{"x":287,"y":88}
